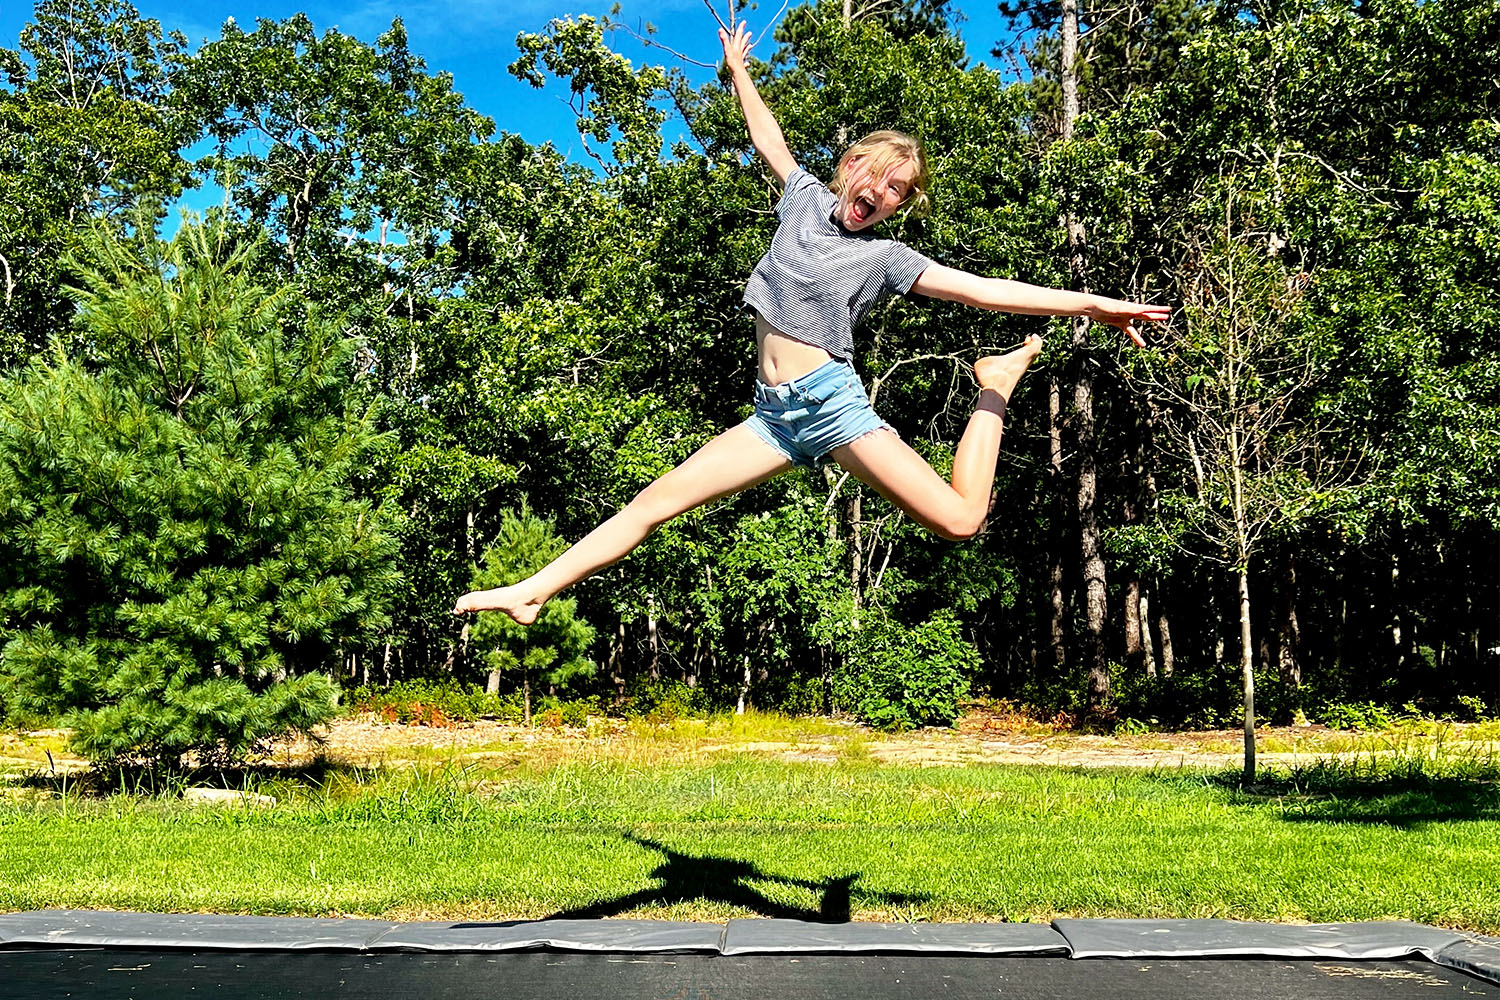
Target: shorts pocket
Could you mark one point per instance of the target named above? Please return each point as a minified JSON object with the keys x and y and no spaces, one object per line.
{"x":839,"y":387}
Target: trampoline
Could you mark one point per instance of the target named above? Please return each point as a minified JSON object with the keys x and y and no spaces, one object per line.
{"x":72,"y":953}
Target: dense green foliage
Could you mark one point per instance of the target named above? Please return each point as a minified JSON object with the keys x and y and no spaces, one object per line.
{"x":1313,"y":184}
{"x":895,"y":677}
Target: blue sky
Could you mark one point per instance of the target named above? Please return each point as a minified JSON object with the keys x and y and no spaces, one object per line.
{"x":475,"y":41}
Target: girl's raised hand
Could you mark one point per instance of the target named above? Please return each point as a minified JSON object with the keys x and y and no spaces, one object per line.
{"x":736,"y":46}
{"x":1127,"y":315}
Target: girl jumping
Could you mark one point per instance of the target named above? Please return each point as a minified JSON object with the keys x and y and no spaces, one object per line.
{"x":822,"y":274}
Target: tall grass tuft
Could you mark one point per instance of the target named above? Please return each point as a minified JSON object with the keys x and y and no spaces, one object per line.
{"x":424,"y":796}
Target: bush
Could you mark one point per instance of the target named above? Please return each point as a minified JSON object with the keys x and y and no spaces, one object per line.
{"x":181,"y":553}
{"x":801,"y":696}
{"x":664,"y":700}
{"x":896,"y":678}
{"x":433,"y":703}
{"x":1189,"y":699}
{"x":1355,"y":715}
{"x":575,"y":712}
{"x":447,"y":702}
{"x":1471,"y":709}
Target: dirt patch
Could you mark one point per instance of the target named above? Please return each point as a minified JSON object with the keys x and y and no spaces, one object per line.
{"x":983,"y":737}
{"x":29,"y":753}
{"x":368,"y":741}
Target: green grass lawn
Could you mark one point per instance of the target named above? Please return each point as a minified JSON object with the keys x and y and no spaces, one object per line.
{"x":748,"y":837}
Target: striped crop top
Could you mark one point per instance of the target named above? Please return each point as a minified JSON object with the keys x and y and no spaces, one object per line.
{"x":818,"y":279}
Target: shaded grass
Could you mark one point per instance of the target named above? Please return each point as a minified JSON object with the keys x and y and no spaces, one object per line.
{"x":749,"y":836}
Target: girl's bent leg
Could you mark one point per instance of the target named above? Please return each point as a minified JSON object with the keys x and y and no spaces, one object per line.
{"x":953,"y":510}
{"x":734,"y":461}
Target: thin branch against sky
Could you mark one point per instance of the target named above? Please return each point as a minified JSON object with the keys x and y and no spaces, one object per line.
{"x":474,"y":40}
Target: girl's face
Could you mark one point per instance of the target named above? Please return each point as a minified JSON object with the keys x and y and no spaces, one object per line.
{"x":867,"y":199}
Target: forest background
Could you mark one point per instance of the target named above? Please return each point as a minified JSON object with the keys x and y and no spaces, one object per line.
{"x":255,"y":461}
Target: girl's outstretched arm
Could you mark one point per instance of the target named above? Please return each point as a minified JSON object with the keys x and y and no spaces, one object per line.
{"x":764,"y":132}
{"x":1004,"y":295}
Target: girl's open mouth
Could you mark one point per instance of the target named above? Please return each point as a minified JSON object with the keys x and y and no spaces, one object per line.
{"x":861,"y":209}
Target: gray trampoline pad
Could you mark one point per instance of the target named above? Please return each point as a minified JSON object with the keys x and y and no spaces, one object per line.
{"x":1475,"y":955}
{"x":112,"y":929}
{"x":1220,"y":938}
{"x":1135,"y":940}
{"x":634,"y":936}
{"x":783,"y":937}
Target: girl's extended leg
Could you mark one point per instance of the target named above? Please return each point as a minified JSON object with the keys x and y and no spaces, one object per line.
{"x":955,"y":510}
{"x":735,"y":460}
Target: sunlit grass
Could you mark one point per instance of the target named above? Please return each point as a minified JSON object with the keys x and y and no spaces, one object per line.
{"x":752,"y":726}
{"x":709,"y":818}
{"x":746,"y":835}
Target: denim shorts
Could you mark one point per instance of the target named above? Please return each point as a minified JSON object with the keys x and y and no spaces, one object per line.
{"x":813,"y":414}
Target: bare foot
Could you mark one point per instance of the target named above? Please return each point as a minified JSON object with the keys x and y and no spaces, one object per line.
{"x":1001,"y":372}
{"x":521,"y":608}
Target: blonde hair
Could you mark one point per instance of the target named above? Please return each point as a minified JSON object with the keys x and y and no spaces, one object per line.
{"x":886,"y":149}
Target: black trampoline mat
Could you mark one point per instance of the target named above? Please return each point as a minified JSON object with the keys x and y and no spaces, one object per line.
{"x":122,"y":973}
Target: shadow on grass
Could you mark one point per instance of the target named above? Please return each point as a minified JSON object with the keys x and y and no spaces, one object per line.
{"x":689,"y":878}
{"x":146,"y":781}
{"x":1404,"y":798}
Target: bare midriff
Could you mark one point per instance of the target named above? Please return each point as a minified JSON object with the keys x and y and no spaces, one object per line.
{"x":784,"y":358}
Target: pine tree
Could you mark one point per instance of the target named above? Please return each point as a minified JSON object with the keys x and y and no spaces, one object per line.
{"x":181,"y":554}
{"x":552,"y":648}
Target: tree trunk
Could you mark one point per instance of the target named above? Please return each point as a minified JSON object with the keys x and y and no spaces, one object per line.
{"x":655,"y":670}
{"x":856,"y":545}
{"x":526,"y":696}
{"x":1096,"y":611}
{"x":1218,"y":626}
{"x":1068,"y":71}
{"x":1096,"y":596}
{"x":1288,"y":634}
{"x":825,"y":678}
{"x":1440,"y":651}
{"x":1148,"y":652}
{"x":739,"y":708}
{"x":1247,"y":668}
{"x":492,"y":683}
{"x":458,"y":652}
{"x":1054,"y":555}
{"x":1135,"y":649}
{"x":617,"y":662}
{"x":763,"y":672}
{"x":1397,"y":649}
{"x":1341,"y":587}
{"x":1137,"y":607}
{"x":1160,"y":654}
{"x":1164,"y":635}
